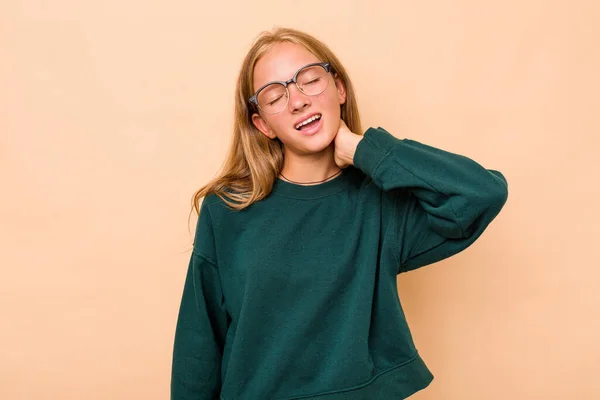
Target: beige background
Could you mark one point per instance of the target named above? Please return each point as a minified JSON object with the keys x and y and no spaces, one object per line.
{"x":112,"y":113}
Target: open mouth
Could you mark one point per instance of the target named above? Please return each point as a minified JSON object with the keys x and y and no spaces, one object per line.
{"x":308,"y":123}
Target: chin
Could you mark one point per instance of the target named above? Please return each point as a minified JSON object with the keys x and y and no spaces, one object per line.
{"x":320,"y":146}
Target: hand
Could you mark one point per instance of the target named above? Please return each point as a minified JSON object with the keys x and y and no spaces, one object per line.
{"x":345,"y":143}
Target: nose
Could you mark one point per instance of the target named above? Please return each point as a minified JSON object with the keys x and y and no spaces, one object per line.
{"x":298,"y":100}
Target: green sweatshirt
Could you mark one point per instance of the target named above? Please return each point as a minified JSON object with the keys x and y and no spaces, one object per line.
{"x":295,"y":297}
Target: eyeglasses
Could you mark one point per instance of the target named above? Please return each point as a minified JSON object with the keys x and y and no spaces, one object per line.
{"x":274,"y":96}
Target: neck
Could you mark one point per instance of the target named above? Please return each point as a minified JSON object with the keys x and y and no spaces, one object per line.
{"x":309,"y":168}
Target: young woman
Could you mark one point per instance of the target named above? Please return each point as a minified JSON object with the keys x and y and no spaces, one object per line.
{"x":291,"y":288}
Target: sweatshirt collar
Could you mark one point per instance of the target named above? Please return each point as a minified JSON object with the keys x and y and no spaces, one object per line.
{"x":307,"y":192}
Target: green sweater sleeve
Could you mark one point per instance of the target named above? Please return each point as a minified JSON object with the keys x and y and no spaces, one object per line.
{"x":442,"y":202}
{"x":202,"y":322}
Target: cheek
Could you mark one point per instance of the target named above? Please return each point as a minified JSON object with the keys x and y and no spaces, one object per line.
{"x":333,"y":105}
{"x":329,"y":101}
{"x":278,"y":123}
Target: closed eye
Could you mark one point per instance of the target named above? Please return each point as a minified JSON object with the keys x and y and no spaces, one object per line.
{"x":275,"y":100}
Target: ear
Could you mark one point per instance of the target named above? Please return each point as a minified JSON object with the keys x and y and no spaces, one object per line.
{"x":262,"y":126}
{"x":341,"y":89}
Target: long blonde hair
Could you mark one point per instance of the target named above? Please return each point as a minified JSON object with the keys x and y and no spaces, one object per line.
{"x":254,"y":161}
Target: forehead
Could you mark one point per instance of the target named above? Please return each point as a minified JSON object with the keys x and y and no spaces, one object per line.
{"x":281,"y":62}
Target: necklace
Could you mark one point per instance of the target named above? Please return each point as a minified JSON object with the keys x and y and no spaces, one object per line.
{"x":306,"y":183}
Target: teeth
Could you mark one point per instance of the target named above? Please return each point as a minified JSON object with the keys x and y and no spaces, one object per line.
{"x":307,"y":121}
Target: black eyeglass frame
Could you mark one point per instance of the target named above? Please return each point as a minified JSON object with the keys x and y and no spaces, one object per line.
{"x":254,"y":99}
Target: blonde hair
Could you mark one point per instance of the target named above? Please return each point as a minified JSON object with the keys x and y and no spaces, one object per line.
{"x":254,"y":160}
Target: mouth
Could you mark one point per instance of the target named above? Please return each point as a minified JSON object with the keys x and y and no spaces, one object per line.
{"x":309,"y":123}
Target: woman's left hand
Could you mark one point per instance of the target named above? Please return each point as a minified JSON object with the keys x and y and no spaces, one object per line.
{"x":345,"y":143}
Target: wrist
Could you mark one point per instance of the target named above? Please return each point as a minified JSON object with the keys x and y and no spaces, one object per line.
{"x":354,"y":140}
